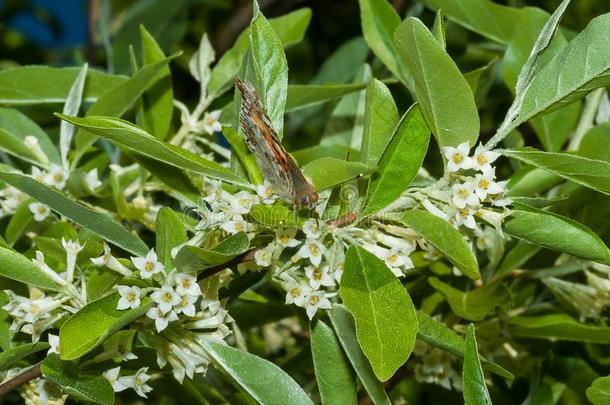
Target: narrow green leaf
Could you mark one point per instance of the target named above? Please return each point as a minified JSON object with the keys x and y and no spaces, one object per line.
{"x":599,"y":392}
{"x":330,"y":366}
{"x":94,"y":323}
{"x":473,"y":380}
{"x":177,"y":180}
{"x":96,"y":222}
{"x":553,"y":231}
{"x":19,"y":222}
{"x":170,"y":233}
{"x":255,"y":375}
{"x":371,"y":292}
{"x":443,"y":237}
{"x":32,"y":85}
{"x":10,"y":356}
{"x":558,"y":327}
{"x":196,"y":259}
{"x":328,"y":172}
{"x":18,"y":126}
{"x":136,"y":140}
{"x":344,"y":326}
{"x":71,"y":107}
{"x":94,"y":389}
{"x":400,"y":161}
{"x":438,"y":29}
{"x":17,"y":267}
{"x":442,"y":92}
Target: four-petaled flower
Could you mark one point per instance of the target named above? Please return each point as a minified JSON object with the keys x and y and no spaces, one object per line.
{"x":148,"y":265}
{"x":186,"y":284}
{"x":312,"y":250}
{"x":130,"y":297}
{"x":457,"y":158}
{"x":40,"y":211}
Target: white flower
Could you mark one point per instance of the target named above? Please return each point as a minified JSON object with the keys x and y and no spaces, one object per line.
{"x":33,"y":145}
{"x":396,"y":259}
{"x":242,"y":202}
{"x":54,"y":343}
{"x":434,"y":210}
{"x":311,"y":228}
{"x":216,"y":194}
{"x":72,"y":248}
{"x":296,"y":293}
{"x":314,"y":301}
{"x":130,"y":297}
{"x":210,"y":122}
{"x":39,"y":261}
{"x":186,"y":305}
{"x":166,"y":298}
{"x":464,"y":216}
{"x":118,"y":383}
{"x":266,"y":192}
{"x":482,"y":159}
{"x":235,"y":225}
{"x":139,"y":382}
{"x":40,"y":211}
{"x":91,"y":180}
{"x":312,"y":250}
{"x":457,"y":158}
{"x":39,"y":175}
{"x":186,"y":284}
{"x":285,"y":237}
{"x":319,"y":276}
{"x":57,"y":177}
{"x":106,"y":259}
{"x":464,"y":194}
{"x":338,"y":271}
{"x":485,"y":184}
{"x":161,"y":319}
{"x":148,"y":265}
{"x":394,"y":242}
{"x":264,"y":257}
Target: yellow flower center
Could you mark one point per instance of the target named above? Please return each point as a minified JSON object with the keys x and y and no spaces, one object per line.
{"x":239,"y":226}
{"x":58,"y":177}
{"x":484,"y":184}
{"x":314,"y":299}
{"x":314,"y":250}
{"x":149,"y":266}
{"x":42,"y":209}
{"x":464,"y":213}
{"x":392,"y":258}
{"x":463,"y":193}
{"x":186,"y":283}
{"x":317,"y":274}
{"x":167,"y":296}
{"x":481,"y":159}
{"x":131,"y":297}
{"x":295,"y":292}
{"x":458,"y":158}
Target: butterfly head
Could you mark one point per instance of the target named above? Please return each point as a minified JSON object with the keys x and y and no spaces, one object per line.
{"x":308,"y":200}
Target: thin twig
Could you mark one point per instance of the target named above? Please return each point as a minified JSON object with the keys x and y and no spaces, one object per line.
{"x":20,"y":379}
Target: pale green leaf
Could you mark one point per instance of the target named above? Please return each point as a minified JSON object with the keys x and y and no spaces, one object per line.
{"x":473,"y":380}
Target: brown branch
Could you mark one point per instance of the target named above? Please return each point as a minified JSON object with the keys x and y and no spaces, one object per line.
{"x":20,"y":379}
{"x":343,"y":220}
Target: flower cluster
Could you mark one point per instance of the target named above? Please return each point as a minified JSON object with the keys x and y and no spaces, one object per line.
{"x":435,"y":366}
{"x":137,"y":381}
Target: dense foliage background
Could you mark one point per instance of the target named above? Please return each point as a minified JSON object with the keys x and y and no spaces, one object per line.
{"x":536,"y":288}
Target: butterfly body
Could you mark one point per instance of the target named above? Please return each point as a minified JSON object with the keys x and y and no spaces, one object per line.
{"x":278,"y":167}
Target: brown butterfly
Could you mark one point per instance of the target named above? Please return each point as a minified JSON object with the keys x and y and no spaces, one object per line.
{"x":276,"y":164}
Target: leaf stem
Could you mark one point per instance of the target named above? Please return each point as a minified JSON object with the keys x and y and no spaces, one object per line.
{"x":20,"y":379}
{"x":587,"y":117}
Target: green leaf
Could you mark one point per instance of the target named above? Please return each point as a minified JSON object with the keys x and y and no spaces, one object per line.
{"x":16,"y":126}
{"x":437,"y":334}
{"x":118,"y":100}
{"x":379,"y":21}
{"x":558,"y":327}
{"x":599,"y":392}
{"x":587,"y":172}
{"x":195,"y":259}
{"x":71,"y":107}
{"x":328,"y":172}
{"x":289,"y":28}
{"x":494,"y":21}
{"x":94,"y":323}
{"x":596,"y":143}
{"x":438,"y":29}
{"x":94,"y":389}
{"x":134,"y":139}
{"x":475,"y":304}
{"x":17,"y":267}
{"x":10,"y":356}
{"x":380,"y":119}
{"x":158,"y":100}
{"x":480,"y":81}
{"x":553,"y":231}
{"x":255,"y":375}
{"x":175,"y":179}
{"x":308,"y":95}
{"x":344,"y":326}
{"x":170,"y":233}
{"x":96,"y":222}
{"x":442,"y":92}
{"x":331,"y":368}
{"x":371,"y":292}
{"x":276,"y":216}
{"x":473,"y":380}
{"x":400,"y":161}
{"x":444,"y":238}
{"x":32,"y":85}
{"x":19,"y":222}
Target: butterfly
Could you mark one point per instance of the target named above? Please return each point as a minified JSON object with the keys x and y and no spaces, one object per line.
{"x":278,"y":167}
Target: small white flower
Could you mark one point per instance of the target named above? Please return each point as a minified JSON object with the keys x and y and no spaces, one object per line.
{"x":106,"y":259}
{"x":92,"y":180}
{"x":148,"y":265}
{"x":266,"y":192}
{"x":264,"y":257}
{"x":242,"y":202}
{"x":464,"y":194}
{"x":434,"y":210}
{"x":186,"y":305}
{"x":211,"y":122}
{"x":312,"y":250}
{"x":40,"y":211}
{"x":72,"y":248}
{"x":130,"y":297}
{"x":394,"y":242}
{"x":57,"y":177}
{"x":396,"y":259}
{"x":485,"y":184}
{"x":319,"y":276}
{"x":285,"y":237}
{"x":118,"y":383}
{"x":311,"y":228}
{"x":457,"y":158}
{"x":216,"y":194}
{"x":39,"y":175}
{"x":139,"y":382}
{"x":338,"y":271}
{"x":39,"y":261}
{"x":161,"y":319}
{"x":186,"y":284}
{"x":482,"y":159}
{"x":464,"y":216}
{"x":235,"y":225}
{"x":297,"y":293}
{"x":54,"y":343}
{"x":314,"y":301}
{"x":166,"y":298}
{"x":32,"y":143}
